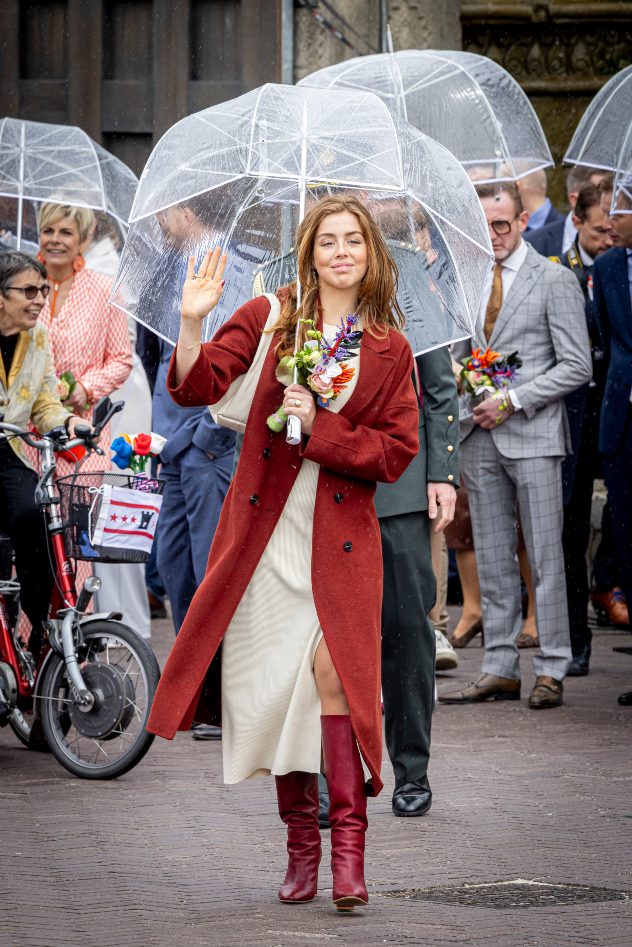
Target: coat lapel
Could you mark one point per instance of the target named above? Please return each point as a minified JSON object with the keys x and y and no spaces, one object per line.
{"x":622,"y":284}
{"x":375,"y":367}
{"x":19,"y":355}
{"x":521,"y":287}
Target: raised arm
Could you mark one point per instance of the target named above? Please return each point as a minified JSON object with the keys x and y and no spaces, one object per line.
{"x":200,"y":294}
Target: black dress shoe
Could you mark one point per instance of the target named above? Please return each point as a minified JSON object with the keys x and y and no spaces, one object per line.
{"x":579,"y":665}
{"x":412,"y":798}
{"x":206,"y":731}
{"x":323,"y":801}
{"x":625,"y":699}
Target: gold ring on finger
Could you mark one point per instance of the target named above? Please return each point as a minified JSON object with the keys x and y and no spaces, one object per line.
{"x":298,"y":403}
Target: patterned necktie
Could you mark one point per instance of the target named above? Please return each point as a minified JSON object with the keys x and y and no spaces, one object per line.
{"x":495,"y":302}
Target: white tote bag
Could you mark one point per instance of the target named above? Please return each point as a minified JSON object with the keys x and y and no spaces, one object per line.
{"x":233,"y":409}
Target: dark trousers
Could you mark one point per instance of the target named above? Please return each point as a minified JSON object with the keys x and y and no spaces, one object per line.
{"x":408,"y":642}
{"x":576,"y":532}
{"x":617,"y":469}
{"x":24,"y":524}
{"x":606,"y":565}
{"x":195,"y":488}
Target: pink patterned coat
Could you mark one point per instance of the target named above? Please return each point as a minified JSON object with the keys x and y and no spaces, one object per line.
{"x":91,"y":339}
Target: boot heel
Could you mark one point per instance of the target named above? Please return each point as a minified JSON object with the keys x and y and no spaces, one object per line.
{"x":348,"y":904}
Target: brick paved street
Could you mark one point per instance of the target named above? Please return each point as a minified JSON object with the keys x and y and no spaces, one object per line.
{"x":168,"y":855}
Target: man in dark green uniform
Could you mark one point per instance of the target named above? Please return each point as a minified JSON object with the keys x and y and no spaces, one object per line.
{"x":407,"y":511}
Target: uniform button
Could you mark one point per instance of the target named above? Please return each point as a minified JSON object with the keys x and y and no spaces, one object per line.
{"x":266,"y":452}
{"x":254,"y":499}
{"x":339,"y":498}
{"x":348,"y":546}
{"x":450,"y":418}
{"x":450,"y":447}
{"x":450,"y":477}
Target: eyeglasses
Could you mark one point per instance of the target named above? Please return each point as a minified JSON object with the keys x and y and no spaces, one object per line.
{"x":501,"y":227}
{"x":31,"y":291}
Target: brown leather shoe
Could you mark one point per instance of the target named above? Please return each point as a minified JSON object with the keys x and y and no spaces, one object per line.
{"x":611,"y":608}
{"x":487,"y":687}
{"x":463,"y":640}
{"x":527,"y":641}
{"x":546,"y":693}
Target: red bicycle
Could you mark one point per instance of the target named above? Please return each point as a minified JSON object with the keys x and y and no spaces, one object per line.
{"x":88,"y":696}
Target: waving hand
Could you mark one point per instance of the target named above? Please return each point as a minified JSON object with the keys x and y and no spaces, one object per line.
{"x":200,"y":294}
{"x":202,"y":290}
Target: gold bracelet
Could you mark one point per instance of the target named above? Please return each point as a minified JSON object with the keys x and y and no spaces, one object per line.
{"x":189,"y":347}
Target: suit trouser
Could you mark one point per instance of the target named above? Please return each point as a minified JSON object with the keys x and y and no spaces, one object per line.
{"x":617,"y":469}
{"x":408,"y":642}
{"x":194,"y":492}
{"x":576,"y":532}
{"x":605,"y":563}
{"x":495,"y":484}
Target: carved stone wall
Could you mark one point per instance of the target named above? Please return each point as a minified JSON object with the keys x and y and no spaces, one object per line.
{"x":415,"y":24}
{"x":425,"y":24}
{"x":560,"y":53}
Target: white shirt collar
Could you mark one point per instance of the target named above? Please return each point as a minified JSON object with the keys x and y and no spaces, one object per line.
{"x":586,"y":258}
{"x":517,"y":258}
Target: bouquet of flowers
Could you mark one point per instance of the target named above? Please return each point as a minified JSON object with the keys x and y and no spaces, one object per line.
{"x":133,"y":453}
{"x":489,"y":371}
{"x":66,"y":384}
{"x":321,"y":365}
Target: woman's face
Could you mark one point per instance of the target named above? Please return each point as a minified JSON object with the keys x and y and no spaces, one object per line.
{"x":60,"y":243}
{"x":340,"y":251}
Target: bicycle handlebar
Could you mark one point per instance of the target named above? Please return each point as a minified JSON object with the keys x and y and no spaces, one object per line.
{"x":83,"y":434}
{"x":40,"y":442}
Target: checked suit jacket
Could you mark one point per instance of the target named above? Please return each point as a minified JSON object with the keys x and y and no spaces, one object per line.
{"x":542,"y":318}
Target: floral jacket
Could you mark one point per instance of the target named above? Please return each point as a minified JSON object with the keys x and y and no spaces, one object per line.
{"x":30,"y":391}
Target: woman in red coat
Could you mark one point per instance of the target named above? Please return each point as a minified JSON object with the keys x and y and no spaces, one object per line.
{"x":293,"y":588}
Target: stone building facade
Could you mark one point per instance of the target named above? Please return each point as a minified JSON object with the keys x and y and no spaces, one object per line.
{"x":126,"y":70}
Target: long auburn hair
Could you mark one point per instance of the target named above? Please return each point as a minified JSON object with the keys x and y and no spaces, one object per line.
{"x":377,"y":300}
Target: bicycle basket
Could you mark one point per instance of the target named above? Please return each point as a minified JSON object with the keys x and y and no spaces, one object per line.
{"x":81,"y":501}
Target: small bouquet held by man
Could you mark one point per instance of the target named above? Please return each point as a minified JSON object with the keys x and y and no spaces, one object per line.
{"x":489,"y":374}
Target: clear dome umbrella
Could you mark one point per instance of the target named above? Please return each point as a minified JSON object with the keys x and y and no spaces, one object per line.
{"x":603,"y":138}
{"x":59,"y":164}
{"x":468,"y":103}
{"x":242,"y":175}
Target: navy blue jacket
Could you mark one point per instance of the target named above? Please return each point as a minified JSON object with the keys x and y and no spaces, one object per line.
{"x":611,"y":289}
{"x":181,"y":426}
{"x":547,"y":240}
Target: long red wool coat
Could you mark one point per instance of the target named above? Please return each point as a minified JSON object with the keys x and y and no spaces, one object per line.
{"x":374,"y":437}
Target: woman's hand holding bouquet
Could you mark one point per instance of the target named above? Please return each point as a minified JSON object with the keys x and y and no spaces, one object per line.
{"x":321,"y":371}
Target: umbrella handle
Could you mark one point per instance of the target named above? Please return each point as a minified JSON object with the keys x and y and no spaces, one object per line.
{"x":293,"y":435}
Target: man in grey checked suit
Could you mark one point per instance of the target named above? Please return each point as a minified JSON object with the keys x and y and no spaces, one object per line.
{"x":512,"y":450}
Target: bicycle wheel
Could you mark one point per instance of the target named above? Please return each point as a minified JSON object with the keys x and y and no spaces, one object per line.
{"x":21,"y":723}
{"x":107,"y":740}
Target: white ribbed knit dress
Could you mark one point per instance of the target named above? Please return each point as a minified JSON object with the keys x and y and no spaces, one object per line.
{"x":270,"y":703}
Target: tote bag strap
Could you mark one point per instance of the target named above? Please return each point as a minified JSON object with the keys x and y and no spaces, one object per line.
{"x":233,"y":409}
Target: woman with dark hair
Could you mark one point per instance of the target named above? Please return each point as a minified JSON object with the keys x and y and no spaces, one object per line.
{"x":294,"y":582}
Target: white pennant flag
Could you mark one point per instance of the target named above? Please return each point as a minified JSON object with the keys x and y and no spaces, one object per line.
{"x":127,"y":519}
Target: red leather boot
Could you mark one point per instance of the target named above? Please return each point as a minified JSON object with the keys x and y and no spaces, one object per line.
{"x":347,"y":811}
{"x":297,"y":794}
